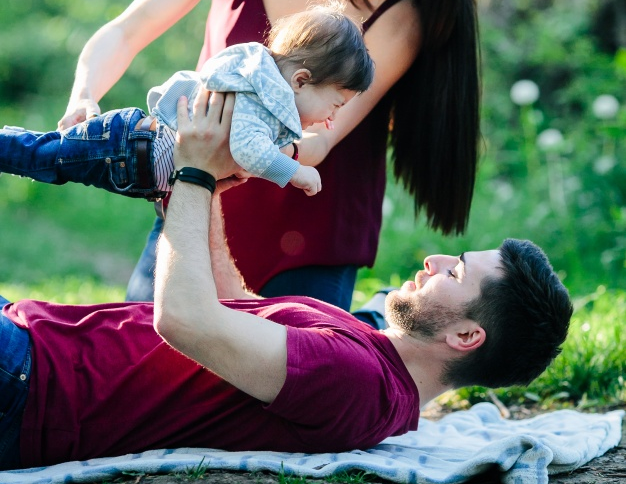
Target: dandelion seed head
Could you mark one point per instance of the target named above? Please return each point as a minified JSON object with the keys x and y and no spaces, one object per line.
{"x":524,"y":92}
{"x":605,"y":107}
{"x":549,"y":139}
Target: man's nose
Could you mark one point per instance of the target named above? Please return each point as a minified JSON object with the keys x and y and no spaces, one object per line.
{"x":434,"y":263}
{"x":429,"y":265}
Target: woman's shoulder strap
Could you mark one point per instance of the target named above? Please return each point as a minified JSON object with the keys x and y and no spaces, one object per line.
{"x":386,"y":5}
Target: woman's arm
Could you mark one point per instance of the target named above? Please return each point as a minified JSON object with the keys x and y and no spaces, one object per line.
{"x":393,"y":42}
{"x":107,"y":54}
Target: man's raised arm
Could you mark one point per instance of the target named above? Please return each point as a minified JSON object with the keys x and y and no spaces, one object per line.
{"x":247,"y":351}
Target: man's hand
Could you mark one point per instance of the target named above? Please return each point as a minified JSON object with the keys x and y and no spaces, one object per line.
{"x":231,"y":182}
{"x":202,"y":142}
{"x":77,"y":113}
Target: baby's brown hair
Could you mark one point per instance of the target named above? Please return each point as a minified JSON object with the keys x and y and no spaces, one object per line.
{"x":327,"y":43}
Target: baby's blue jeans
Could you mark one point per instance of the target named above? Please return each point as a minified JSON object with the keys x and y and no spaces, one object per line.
{"x":100,"y":152}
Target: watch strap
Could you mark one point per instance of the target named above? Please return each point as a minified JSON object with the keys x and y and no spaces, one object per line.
{"x":195,"y":176}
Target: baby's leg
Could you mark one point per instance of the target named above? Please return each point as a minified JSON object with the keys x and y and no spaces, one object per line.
{"x":101,"y":151}
{"x":29,"y":153}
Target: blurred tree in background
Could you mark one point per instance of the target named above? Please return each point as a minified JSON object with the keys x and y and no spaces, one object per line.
{"x":73,"y":231}
{"x":40,"y":41}
{"x":553,"y":169}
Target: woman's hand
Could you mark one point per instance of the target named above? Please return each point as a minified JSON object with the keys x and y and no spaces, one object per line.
{"x":202,"y":142}
{"x":84,"y":109}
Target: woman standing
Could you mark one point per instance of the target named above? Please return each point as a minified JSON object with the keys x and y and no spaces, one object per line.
{"x":424,"y":101}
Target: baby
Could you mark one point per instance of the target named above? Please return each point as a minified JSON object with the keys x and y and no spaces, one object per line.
{"x":316,"y":62}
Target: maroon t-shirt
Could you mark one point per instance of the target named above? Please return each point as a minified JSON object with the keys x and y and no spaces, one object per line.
{"x":103,"y":383}
{"x":341,"y":224}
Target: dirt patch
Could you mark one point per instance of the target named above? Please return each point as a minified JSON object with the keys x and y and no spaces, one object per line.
{"x":226,"y":477}
{"x":212,"y":477}
{"x":609,"y":468}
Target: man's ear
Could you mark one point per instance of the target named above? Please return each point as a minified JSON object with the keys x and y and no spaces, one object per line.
{"x":466,"y":336}
{"x":299,"y":78}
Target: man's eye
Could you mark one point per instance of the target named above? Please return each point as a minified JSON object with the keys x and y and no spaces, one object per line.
{"x":451,"y":274}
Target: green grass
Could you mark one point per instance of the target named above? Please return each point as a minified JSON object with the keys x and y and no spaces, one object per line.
{"x":50,"y":232}
{"x":65,"y":290}
{"x":197,"y":471}
{"x":592,"y":366}
{"x":201,"y":473}
{"x":352,"y":477}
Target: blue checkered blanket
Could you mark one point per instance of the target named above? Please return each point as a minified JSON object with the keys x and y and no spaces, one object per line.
{"x":452,"y":450}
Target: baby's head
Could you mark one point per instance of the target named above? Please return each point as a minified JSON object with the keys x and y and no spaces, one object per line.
{"x":321,"y":53}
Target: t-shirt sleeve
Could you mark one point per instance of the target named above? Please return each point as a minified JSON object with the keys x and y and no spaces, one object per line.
{"x":339,"y":388}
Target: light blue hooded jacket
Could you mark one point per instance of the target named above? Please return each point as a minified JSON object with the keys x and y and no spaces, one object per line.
{"x":265,"y":117}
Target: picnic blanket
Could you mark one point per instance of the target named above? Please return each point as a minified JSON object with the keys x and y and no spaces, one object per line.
{"x":451,"y":450}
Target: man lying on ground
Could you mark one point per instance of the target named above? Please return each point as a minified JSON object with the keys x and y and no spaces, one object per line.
{"x":226,"y":369}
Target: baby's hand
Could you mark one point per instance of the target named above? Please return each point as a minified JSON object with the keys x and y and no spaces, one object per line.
{"x":308,"y":179}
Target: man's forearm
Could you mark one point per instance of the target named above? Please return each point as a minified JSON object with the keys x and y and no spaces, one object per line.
{"x":228,"y":279}
{"x":184,"y":286}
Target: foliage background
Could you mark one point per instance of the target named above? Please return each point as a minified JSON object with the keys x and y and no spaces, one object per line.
{"x":79,"y":245}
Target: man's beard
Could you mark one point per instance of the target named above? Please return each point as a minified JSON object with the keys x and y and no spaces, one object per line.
{"x":419,"y":316}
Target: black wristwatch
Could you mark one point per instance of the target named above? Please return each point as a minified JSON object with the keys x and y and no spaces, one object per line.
{"x":193,"y":175}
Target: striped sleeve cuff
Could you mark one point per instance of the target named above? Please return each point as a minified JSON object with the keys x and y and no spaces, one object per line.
{"x":281,"y":170}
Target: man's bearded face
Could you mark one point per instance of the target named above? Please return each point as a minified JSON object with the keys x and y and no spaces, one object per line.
{"x":419,"y":315}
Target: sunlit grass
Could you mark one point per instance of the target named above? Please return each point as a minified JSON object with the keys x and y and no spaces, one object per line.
{"x":65,"y":290}
{"x":592,"y":367}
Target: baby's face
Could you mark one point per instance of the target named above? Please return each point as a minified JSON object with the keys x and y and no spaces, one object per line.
{"x":319,"y":103}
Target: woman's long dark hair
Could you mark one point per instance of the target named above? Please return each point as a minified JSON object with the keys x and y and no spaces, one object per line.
{"x":435,"y":116}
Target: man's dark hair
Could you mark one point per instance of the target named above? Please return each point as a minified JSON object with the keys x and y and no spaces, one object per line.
{"x":525,"y":315}
{"x":327,"y":43}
